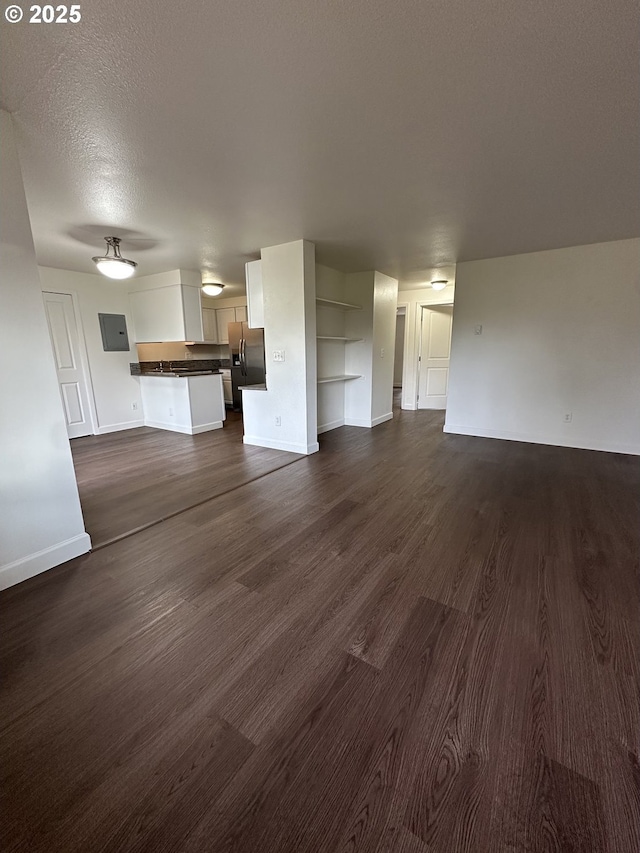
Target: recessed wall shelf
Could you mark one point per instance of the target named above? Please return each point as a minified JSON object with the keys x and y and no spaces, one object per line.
{"x":337,"y":338}
{"x":332,"y":303}
{"x":344,"y":378}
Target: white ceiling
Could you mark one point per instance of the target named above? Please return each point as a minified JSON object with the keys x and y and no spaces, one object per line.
{"x":400,"y":135}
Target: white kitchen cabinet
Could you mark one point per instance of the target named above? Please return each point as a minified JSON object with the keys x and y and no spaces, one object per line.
{"x":224,"y":316}
{"x":209,"y":325}
{"x":187,"y":404}
{"x":255,"y":299}
{"x":167,"y":314}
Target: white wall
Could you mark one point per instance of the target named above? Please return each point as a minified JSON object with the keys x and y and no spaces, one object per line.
{"x":358,"y":393}
{"x":41,"y":522}
{"x":413,"y":300}
{"x":114,"y":389}
{"x":368,"y":401}
{"x":385,"y":296}
{"x":288,"y":274}
{"x":222,"y":302}
{"x":560,"y":334}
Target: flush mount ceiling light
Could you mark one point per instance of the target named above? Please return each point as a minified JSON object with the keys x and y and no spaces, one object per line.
{"x":115,"y":266}
{"x":212,"y":289}
{"x":439,"y":284}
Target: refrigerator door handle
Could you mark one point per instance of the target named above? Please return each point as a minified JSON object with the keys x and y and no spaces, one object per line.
{"x":243,"y":358}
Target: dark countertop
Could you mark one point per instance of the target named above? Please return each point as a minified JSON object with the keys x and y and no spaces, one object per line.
{"x":179,"y":374}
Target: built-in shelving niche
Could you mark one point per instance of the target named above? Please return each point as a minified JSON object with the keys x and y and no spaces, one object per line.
{"x":331,"y":360}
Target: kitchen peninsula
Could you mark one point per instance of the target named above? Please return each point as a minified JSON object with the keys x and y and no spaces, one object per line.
{"x":188,"y":401}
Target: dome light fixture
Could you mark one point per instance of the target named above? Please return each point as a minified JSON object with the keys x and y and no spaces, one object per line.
{"x":211,"y":289}
{"x":114,"y":266}
{"x":439,"y":284}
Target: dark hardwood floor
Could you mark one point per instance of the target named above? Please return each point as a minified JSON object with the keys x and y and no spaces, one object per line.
{"x":133,"y":479}
{"x":409,"y":642}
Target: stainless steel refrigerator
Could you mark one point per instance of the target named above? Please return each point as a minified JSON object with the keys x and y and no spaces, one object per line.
{"x":247,"y":359}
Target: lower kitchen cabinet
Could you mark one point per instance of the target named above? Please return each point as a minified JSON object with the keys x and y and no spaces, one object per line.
{"x":188,"y":404}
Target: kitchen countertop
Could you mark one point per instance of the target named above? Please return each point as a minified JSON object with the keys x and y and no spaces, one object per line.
{"x":180,"y":374}
{"x":261,"y":387}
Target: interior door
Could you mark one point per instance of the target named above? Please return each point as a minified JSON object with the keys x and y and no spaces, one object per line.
{"x":435,"y":351}
{"x":63,"y":329}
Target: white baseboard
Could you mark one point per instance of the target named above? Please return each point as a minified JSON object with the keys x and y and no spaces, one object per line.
{"x":368,"y":423}
{"x":288,"y":446}
{"x":185,"y":430}
{"x":34,"y":564}
{"x":330,"y":425}
{"x":381,"y":419}
{"x":207,"y":427}
{"x":103,"y":430}
{"x":552,"y":440}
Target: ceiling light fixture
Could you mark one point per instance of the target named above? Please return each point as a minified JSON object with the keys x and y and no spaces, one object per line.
{"x":212,"y":289}
{"x":115,"y":266}
{"x":439,"y":284}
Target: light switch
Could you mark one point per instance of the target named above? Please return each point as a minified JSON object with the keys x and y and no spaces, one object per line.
{"x":278,"y":355}
{"x":477,"y":330}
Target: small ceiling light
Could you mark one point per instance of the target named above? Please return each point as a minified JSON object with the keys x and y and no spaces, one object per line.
{"x":212,"y":289}
{"x":439,"y":284}
{"x":115,"y":266}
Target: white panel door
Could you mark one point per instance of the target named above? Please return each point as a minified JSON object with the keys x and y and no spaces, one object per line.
{"x":435,"y":351}
{"x":63,"y":329}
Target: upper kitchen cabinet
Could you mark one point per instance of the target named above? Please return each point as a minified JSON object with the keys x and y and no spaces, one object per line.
{"x":166,"y":312}
{"x":255,"y":300}
{"x":224,"y":317}
{"x":209,"y":325}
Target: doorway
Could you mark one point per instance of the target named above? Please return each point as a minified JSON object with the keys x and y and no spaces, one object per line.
{"x":72,"y":378}
{"x":434,"y":354}
{"x":398,"y":357}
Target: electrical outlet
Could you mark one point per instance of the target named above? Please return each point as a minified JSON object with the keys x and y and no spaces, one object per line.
{"x":382,"y":352}
{"x":568,"y":417}
{"x":278,"y":355}
{"x":477,"y":329}
{"x":278,"y":420}
{"x":134,"y":406}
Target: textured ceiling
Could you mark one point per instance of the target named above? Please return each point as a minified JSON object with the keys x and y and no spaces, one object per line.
{"x":402,"y":136}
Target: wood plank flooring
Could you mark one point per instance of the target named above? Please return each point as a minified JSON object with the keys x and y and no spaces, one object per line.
{"x":410,"y":642}
{"x":133,"y":479}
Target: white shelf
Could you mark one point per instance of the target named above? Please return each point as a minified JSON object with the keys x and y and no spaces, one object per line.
{"x":337,"y":338}
{"x":332,"y":303}
{"x":344,"y":378}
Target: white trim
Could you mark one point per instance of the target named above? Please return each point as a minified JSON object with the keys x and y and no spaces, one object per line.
{"x":552,"y":440}
{"x":103,"y":430}
{"x":34,"y":564}
{"x":288,"y":446}
{"x":381,"y":419}
{"x":331,"y":425}
{"x":207,"y":427}
{"x":359,"y":422}
{"x":185,"y":430}
{"x":368,"y":423}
